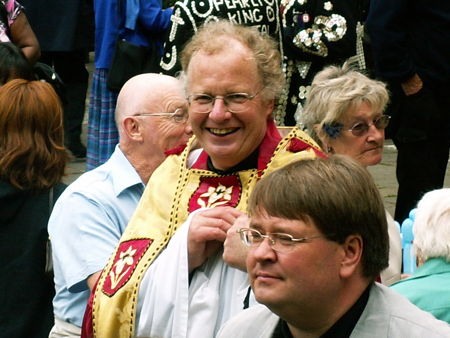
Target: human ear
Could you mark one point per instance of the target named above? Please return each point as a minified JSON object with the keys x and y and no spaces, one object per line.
{"x":352,"y":248}
{"x":324,"y":141}
{"x":270,"y":108}
{"x":132,"y":128}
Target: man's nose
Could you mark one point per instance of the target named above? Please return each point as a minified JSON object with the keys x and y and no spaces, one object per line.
{"x":219,"y":110}
{"x":188,"y":128}
{"x":264,"y":251}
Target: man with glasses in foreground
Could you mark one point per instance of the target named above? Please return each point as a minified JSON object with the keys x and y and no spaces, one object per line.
{"x":89,"y":218}
{"x":317,"y":240}
{"x":167,"y":277}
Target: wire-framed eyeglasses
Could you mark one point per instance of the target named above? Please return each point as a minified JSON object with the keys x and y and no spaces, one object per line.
{"x":235,"y":102}
{"x":361,"y":128}
{"x":178,"y":116}
{"x":278,"y":241}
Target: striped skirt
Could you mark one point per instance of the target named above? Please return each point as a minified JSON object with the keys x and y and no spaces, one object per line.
{"x":102,"y":134}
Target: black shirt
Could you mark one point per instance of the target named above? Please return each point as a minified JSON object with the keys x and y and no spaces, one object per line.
{"x":251,"y":162}
{"x":341,"y":329}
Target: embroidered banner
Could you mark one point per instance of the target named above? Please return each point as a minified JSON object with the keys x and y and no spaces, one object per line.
{"x":127,"y":257}
{"x":216,"y":191}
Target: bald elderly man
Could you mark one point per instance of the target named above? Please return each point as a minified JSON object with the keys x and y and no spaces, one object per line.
{"x":90,"y":217}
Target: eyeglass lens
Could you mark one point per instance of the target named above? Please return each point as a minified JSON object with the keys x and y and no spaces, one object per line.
{"x":278,"y":242}
{"x":235,"y":103}
{"x":362,"y":128}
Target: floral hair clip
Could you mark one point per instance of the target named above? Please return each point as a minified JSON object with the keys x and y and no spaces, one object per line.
{"x":333,"y":129}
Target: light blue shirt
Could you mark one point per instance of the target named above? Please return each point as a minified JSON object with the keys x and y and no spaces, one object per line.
{"x":85,"y":226}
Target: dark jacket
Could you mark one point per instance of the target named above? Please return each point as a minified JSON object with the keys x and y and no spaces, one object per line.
{"x":61,"y":25}
{"x":411,"y":36}
{"x":26,"y":290}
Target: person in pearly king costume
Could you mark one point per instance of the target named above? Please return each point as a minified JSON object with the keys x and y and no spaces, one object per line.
{"x":167,"y":277}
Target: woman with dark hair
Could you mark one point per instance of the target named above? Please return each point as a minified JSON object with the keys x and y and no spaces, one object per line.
{"x":13,"y":64}
{"x":32,"y":164}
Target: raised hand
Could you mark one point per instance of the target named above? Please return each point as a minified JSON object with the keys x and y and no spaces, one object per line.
{"x":207,"y":232}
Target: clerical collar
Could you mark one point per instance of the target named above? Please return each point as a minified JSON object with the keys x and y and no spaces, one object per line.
{"x":251,"y":162}
{"x":343,"y":328}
